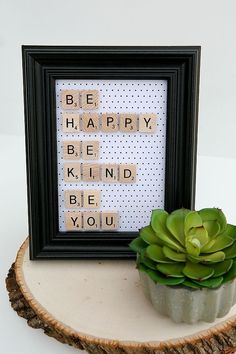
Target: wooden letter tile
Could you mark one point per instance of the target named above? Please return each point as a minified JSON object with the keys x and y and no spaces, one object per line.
{"x":147,"y":123}
{"x":72,"y":172}
{"x":89,"y":99}
{"x":127,"y":173}
{"x":90,"y":122}
{"x":73,"y":221}
{"x":109,"y":122}
{"x":92,"y":199}
{"x":109,"y":220}
{"x":91,"y":172}
{"x":91,"y":220}
{"x":90,"y":150}
{"x":71,"y":150}
{"x":73,"y":199}
{"x":70,"y":99}
{"x":71,"y":122}
{"x":109,"y":173}
{"x":128,"y":123}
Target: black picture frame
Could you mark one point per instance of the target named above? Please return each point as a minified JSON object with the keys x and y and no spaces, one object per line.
{"x":42,"y":65}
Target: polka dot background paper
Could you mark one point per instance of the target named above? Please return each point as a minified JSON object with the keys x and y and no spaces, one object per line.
{"x":133,"y":201}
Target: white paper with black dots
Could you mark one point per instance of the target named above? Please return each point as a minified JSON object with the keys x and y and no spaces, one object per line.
{"x":133,"y":201}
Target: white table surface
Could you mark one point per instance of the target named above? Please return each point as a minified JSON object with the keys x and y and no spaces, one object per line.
{"x":215,"y":187}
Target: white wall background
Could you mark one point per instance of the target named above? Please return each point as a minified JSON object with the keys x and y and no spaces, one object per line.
{"x":209,"y":23}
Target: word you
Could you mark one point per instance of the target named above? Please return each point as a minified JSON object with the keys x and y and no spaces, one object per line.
{"x":90,"y":221}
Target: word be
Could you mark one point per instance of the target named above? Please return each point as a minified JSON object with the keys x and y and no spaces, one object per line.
{"x":90,"y":221}
{"x":93,"y":172}
{"x":75,"y":99}
{"x":109,"y":122}
{"x":76,"y":199}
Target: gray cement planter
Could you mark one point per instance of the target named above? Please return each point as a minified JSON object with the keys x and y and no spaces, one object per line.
{"x":182,"y":304}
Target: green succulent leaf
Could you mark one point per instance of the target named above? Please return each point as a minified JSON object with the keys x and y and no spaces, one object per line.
{"x":175,"y":224}
{"x":148,"y":235}
{"x":222,"y":267}
{"x":137,"y":245}
{"x":231,"y":231}
{"x":190,"y":284}
{"x":146,"y":261}
{"x":230,"y":252}
{"x":212,"y":227}
{"x":210,"y":283}
{"x":213,"y":215}
{"x":171,"y":270}
{"x":192,"y":220}
{"x":173,"y":255}
{"x":200,"y":234}
{"x":161,"y":279}
{"x":208,"y":258}
{"x":231,"y":274}
{"x":158,"y":223}
{"x":207,"y":246}
{"x":197,"y":271}
{"x":193,"y":246}
{"x":219,"y":243}
{"x":155,"y":253}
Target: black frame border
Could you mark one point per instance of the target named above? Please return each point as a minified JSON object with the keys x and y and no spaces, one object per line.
{"x":42,"y":65}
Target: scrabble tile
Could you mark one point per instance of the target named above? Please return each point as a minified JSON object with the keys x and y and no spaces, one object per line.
{"x":127,"y":173}
{"x":89,"y":99}
{"x":109,"y":173}
{"x":128,"y":122}
{"x":70,"y":99}
{"x":73,"y":199}
{"x":109,"y":220}
{"x":147,"y":123}
{"x":91,"y":172}
{"x":72,"y":172}
{"x":91,"y":220}
{"x":90,"y":122}
{"x":109,"y":122}
{"x":73,"y":221}
{"x":71,"y":122}
{"x":90,"y":150}
{"x":71,"y":150}
{"x":91,"y":199}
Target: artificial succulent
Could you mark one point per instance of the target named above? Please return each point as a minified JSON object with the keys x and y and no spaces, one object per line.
{"x":190,"y":248}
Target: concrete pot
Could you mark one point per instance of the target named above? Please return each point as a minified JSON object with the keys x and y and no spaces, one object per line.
{"x":187,"y":305}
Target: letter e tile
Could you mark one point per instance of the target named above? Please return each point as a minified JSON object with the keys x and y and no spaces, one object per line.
{"x":89,"y":99}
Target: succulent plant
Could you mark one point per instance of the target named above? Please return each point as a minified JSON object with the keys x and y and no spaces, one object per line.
{"x":196,"y":249}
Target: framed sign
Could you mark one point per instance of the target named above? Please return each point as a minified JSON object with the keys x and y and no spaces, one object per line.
{"x":110,"y":135}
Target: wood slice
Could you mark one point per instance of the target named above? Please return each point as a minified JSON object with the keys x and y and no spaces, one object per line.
{"x":99,"y":306}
